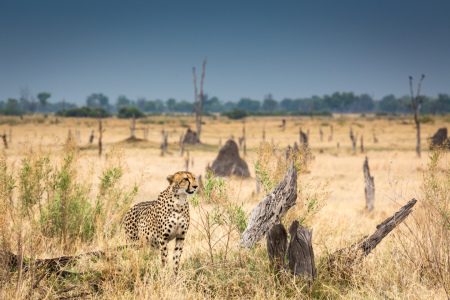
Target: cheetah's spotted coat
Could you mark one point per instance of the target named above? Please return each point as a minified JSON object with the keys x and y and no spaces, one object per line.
{"x":158,"y":222}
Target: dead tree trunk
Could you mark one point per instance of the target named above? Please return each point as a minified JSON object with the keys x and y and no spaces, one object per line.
{"x":264,"y":133}
{"x":5,"y":142}
{"x":330,"y":138}
{"x":370,"y":187}
{"x":276,"y":246}
{"x":303,"y":140}
{"x":91,"y":137}
{"x":199,"y":103}
{"x":354,"y":139}
{"x":186,"y":162}
{"x":181,"y":143}
{"x":416,"y":104}
{"x":133,"y":127}
{"x":270,"y":209}
{"x":164,"y":142}
{"x":244,"y":138}
{"x":100,"y":131}
{"x":362,"y":144}
{"x":346,"y":257}
{"x":300,"y":252}
{"x":146,"y":130}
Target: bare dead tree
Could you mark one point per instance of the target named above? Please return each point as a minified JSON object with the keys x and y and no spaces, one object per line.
{"x":362,"y":144}
{"x":133,"y":127}
{"x":244,"y":139}
{"x":199,"y":103}
{"x":91,"y":137}
{"x":370,"y":187}
{"x":146,"y":130}
{"x":5,"y":142}
{"x":416,"y":105}
{"x":264,"y":132}
{"x":186,"y":161}
{"x":181,"y":144}
{"x":354,"y":140}
{"x":100,"y":132}
{"x":164,"y":142}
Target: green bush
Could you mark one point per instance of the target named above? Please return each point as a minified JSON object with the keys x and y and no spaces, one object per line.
{"x":128,"y":112}
{"x":10,"y":112}
{"x":426,"y":119}
{"x":85,"y":111}
{"x":235,"y":114}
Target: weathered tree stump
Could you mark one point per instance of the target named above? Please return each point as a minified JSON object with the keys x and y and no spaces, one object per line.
{"x":270,"y":209}
{"x":300,"y":252}
{"x":370,"y":187}
{"x":276,"y":246}
{"x":5,"y":142}
{"x":303,"y":140}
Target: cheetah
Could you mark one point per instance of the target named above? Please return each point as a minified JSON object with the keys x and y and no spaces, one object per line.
{"x":158,"y":222}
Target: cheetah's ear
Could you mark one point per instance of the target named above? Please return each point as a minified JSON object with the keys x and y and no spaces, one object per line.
{"x":170,"y":179}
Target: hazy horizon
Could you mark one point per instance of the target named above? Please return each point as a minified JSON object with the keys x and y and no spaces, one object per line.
{"x":289,"y":49}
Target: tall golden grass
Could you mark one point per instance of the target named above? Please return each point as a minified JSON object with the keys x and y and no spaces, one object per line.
{"x":42,"y":166}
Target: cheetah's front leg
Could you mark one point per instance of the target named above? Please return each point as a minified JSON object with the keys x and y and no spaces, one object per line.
{"x":179,"y":242}
{"x":164,"y":251}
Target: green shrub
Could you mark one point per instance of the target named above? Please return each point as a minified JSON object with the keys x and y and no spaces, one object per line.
{"x":235,"y":114}
{"x":128,"y":112}
{"x":85,"y":111}
{"x":426,"y":119}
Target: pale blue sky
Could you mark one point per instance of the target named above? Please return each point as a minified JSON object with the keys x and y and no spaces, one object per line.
{"x":286,"y":48}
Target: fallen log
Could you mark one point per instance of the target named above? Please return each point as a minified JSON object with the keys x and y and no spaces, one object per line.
{"x":367,"y":244}
{"x":269,"y":210}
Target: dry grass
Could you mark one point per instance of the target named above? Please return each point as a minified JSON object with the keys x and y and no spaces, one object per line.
{"x":397,"y":269}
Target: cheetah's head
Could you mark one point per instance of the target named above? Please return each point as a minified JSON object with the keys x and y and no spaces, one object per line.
{"x":183,"y":182}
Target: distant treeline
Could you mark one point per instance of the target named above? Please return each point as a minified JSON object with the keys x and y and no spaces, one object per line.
{"x":346,"y":102}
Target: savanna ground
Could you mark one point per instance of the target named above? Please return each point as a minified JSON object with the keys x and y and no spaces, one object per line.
{"x":41,"y":169}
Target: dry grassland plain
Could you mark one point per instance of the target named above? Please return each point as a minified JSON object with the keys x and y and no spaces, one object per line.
{"x":334,"y":170}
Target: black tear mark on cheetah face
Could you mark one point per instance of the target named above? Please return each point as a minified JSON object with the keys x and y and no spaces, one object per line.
{"x":183,"y":182}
